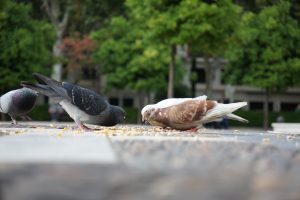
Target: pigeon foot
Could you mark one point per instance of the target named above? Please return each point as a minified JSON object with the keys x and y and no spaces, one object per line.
{"x":84,"y":128}
{"x":194,"y":130}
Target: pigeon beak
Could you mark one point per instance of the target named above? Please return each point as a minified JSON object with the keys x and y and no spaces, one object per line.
{"x":144,"y":121}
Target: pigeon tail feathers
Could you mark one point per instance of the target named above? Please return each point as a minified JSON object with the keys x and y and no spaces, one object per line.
{"x":43,"y":89}
{"x":53,"y":84}
{"x":220,"y":110}
{"x":237,"y":118}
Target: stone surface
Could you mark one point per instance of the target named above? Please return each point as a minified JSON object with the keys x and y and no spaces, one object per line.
{"x":286,"y":128}
{"x":36,"y":145}
{"x":31,"y":149}
{"x":153,"y":164}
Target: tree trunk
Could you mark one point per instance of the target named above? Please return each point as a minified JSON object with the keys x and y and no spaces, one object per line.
{"x":208,"y":77}
{"x":59,"y":19}
{"x":193,"y":81}
{"x":57,"y":67}
{"x":266,"y":109}
{"x":172,"y":72}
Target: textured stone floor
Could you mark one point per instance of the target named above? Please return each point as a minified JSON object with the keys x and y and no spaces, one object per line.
{"x":56,"y":161}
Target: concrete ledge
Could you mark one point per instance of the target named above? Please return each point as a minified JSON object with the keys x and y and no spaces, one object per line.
{"x":289,"y":128}
{"x":41,"y":148}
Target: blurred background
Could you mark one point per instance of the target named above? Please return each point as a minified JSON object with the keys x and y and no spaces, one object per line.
{"x":138,"y":52}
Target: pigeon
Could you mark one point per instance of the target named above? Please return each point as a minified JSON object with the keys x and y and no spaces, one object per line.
{"x":83,"y":105}
{"x":168,"y":102}
{"x":189,"y":113}
{"x":18,"y":103}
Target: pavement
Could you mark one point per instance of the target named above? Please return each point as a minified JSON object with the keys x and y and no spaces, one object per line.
{"x":286,"y":127}
{"x":47,"y":160}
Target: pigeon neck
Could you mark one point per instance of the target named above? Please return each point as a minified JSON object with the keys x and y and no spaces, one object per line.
{"x":116,"y":116}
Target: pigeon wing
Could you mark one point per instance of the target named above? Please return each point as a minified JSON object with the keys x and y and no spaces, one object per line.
{"x":189,"y":111}
{"x":85,"y":99}
{"x":175,"y":101}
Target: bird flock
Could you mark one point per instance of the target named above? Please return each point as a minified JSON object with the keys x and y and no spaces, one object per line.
{"x":85,"y":106}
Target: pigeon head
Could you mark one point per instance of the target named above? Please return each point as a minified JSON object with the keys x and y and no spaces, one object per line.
{"x":146,"y":111}
{"x":119,"y":114}
{"x":145,"y":115}
{"x":24,"y":99}
{"x":150,"y":114}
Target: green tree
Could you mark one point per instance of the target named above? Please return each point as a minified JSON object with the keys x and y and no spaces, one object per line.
{"x":98,"y":13}
{"x":204,"y":25}
{"x":266,"y":51}
{"x":58,"y":13}
{"x":25,"y":44}
{"x":128,"y":59}
{"x":78,"y":52}
{"x":75,"y":16}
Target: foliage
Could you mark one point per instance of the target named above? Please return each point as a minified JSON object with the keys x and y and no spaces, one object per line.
{"x":98,"y":13}
{"x":131,"y":115}
{"x":206,"y":26}
{"x":135,"y":50}
{"x":266,"y":51}
{"x":197,"y":23}
{"x":128,"y":58}
{"x":25,"y":44}
{"x":40,"y":113}
{"x":78,"y":51}
{"x":89,"y":15}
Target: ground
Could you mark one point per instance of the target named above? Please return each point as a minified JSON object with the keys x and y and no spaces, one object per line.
{"x":43,"y":160}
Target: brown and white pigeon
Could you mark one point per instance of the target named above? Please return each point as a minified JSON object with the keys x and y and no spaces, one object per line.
{"x":18,"y":103}
{"x":169,"y":102}
{"x":82,"y":104}
{"x":189,"y":113}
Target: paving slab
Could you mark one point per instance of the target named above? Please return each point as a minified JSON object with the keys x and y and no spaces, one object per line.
{"x":286,"y":128}
{"x":34,"y":145}
{"x":149,"y":163}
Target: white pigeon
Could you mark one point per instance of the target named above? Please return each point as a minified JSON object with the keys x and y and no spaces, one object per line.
{"x":188,"y":113}
{"x":169,"y":102}
{"x":173,"y":101}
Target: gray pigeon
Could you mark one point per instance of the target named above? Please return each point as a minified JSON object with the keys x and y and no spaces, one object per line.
{"x":18,"y":103}
{"x":82,"y":104}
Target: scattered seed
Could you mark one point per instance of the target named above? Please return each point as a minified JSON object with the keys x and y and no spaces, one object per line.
{"x":20,"y":131}
{"x":266,"y":140}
